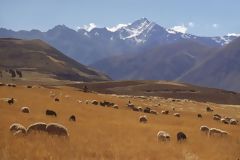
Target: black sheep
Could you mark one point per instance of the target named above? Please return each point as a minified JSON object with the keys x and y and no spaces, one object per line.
{"x":181,"y":137}
{"x":51,"y":113}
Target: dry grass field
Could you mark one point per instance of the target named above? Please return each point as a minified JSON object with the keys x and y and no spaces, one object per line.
{"x":112,"y":134}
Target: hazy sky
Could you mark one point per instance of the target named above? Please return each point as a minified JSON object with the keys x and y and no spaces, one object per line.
{"x":200,"y":17}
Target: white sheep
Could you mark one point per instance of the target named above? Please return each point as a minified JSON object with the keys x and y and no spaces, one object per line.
{"x":233,"y":121}
{"x":176,"y":114}
{"x":217,"y":132}
{"x":16,"y":127}
{"x":204,"y":129}
{"x":163,"y":136}
{"x":115,"y":106}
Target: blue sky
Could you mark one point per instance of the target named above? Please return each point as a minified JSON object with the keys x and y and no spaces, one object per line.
{"x":200,"y":17}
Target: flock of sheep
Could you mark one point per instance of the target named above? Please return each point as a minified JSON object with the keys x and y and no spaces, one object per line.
{"x":60,"y":130}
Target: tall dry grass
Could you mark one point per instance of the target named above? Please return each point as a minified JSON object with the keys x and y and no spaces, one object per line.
{"x":111,"y":134}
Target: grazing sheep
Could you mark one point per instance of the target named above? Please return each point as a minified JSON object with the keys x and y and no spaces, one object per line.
{"x":29,"y":86}
{"x":216,"y":118}
{"x":165,"y":112}
{"x":11,"y":101}
{"x":181,"y":136}
{"x":208,"y":109}
{"x":217,"y":115}
{"x":147,"y":110}
{"x":25,"y":110}
{"x":204,"y":129}
{"x":223,"y":120}
{"x":57,"y":129}
{"x":11,"y":85}
{"x":115,"y":106}
{"x":143,"y":119}
{"x":176,"y":114}
{"x":214,"y":131}
{"x":2,"y":84}
{"x":72,"y":118}
{"x":15,"y":127}
{"x":87,"y":101}
{"x":153,"y":112}
{"x":56,"y":99}
{"x":140,"y":109}
{"x":51,"y":113}
{"x":19,"y":133}
{"x":233,"y":121}
{"x":130,"y":105}
{"x":135,"y":109}
{"x":224,"y":133}
{"x":217,"y":132}
{"x":37,"y":127}
{"x":163,"y":136}
{"x":199,"y":115}
{"x":94,"y":102}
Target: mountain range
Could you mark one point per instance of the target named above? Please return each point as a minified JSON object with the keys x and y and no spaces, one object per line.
{"x":145,"y":50}
{"x":88,"y":46}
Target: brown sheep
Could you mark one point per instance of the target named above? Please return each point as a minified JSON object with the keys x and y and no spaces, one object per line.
{"x":57,"y":129}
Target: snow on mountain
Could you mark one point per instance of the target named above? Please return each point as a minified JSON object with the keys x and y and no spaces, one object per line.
{"x":233,"y":34}
{"x":182,"y":29}
{"x":117,"y":27}
{"x":88,"y":27}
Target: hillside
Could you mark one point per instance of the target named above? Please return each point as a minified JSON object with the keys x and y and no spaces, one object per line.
{"x":222,"y":70}
{"x":166,"y":62}
{"x":36,"y":59}
{"x":165,"y":89}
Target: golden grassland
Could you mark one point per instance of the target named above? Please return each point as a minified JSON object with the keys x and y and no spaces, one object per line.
{"x":107,"y":133}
